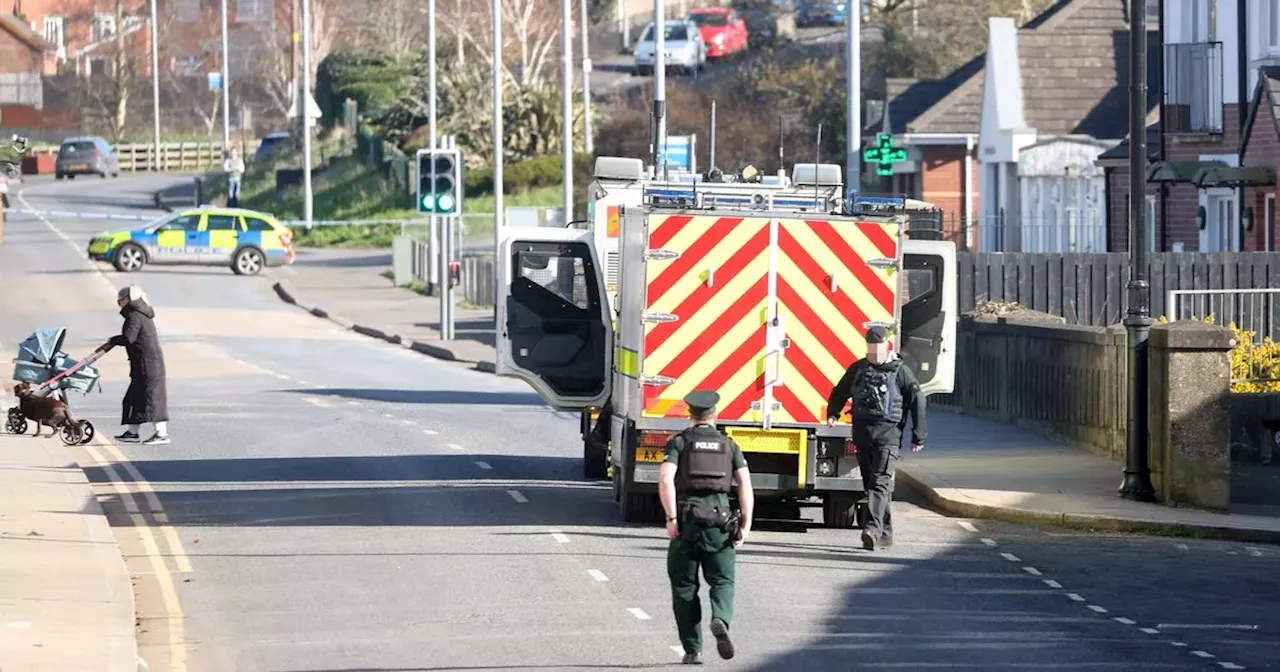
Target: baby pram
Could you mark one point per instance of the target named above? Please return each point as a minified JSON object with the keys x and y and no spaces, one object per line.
{"x":42,"y":363}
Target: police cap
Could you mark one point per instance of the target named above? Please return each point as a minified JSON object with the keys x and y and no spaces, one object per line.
{"x":701,"y":401}
{"x":877,"y":334}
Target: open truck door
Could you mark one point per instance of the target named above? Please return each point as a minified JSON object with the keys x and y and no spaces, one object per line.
{"x":554,"y":327}
{"x":928,"y":342}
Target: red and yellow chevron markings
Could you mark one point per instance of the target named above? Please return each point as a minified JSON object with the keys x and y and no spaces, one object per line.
{"x":827,"y":291}
{"x":718,"y":291}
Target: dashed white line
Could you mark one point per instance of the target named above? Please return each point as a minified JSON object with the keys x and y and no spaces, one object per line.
{"x":1052,"y":584}
{"x":316,"y":402}
{"x":430,"y":432}
{"x":1202,"y":654}
{"x":455,"y":446}
{"x":1098,"y":609}
{"x":483,"y":465}
{"x":1075,"y":597}
{"x":281,"y":376}
{"x":410,"y":422}
{"x":1010,"y":557}
{"x":1255,"y":552}
{"x":597,"y":575}
{"x":967,"y":525}
{"x":353,"y":402}
{"x":1178,"y":643}
{"x":639,"y":613}
{"x":1230,"y":666}
{"x":1150,"y":631}
{"x":303,"y":382}
{"x":560,"y":537}
{"x":1032,"y":571}
{"x":1122,"y":619}
{"x":678,"y":649}
{"x":989,"y":542}
{"x":515,"y":494}
{"x":387,"y":415}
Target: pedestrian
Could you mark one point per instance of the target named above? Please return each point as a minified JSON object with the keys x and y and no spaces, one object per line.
{"x":694,"y":482}
{"x":884,"y":393}
{"x":146,"y":400}
{"x":234,"y":167}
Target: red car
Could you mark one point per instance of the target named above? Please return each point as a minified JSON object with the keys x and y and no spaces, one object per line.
{"x":722,"y":29}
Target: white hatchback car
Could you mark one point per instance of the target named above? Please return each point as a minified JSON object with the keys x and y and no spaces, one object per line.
{"x":684,"y":46}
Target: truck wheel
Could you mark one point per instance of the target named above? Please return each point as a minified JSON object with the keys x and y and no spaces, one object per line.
{"x":641,"y":507}
{"x":617,"y":483}
{"x":840,"y":511}
{"x":595,"y":459}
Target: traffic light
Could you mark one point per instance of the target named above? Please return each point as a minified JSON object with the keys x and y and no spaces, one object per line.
{"x":439,"y":181}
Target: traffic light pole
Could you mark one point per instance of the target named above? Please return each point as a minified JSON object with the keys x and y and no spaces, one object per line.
{"x":446,"y":256}
{"x":432,"y":232}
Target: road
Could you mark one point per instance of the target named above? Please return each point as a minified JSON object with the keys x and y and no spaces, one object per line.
{"x":334,"y":503}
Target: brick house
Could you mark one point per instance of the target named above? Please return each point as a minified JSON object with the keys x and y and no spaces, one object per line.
{"x":1207,"y":190}
{"x":1068,"y":67}
{"x":22,"y":53}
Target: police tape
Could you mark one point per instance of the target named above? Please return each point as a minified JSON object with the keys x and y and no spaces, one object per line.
{"x":68,"y":214}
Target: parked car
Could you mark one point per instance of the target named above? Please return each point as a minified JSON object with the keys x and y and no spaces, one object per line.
{"x":821,"y":13}
{"x":684,"y":46}
{"x":86,"y":155}
{"x":245,"y":240}
{"x":271,"y":143}
{"x":769,"y":22}
{"x":722,"y":29}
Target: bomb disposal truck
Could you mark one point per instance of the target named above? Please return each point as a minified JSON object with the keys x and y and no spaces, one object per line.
{"x":764,"y":300}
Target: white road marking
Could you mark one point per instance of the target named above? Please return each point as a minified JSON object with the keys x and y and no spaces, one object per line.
{"x":303,"y":382}
{"x":1010,"y":557}
{"x":639,"y":613}
{"x":1255,"y":552}
{"x":1150,"y":631}
{"x":1182,"y":547}
{"x":353,"y":402}
{"x":316,"y":402}
{"x":1098,"y":609}
{"x":1032,"y":571}
{"x":455,"y":446}
{"x":989,"y":542}
{"x":1178,"y":643}
{"x":483,"y":465}
{"x":281,"y":376}
{"x":410,"y":422}
{"x":1075,"y":597}
{"x":560,"y":537}
{"x":515,"y":494}
{"x":387,"y":415}
{"x":1122,"y":619}
{"x":1202,"y":654}
{"x":1052,"y":584}
{"x":1206,"y":626}
{"x":597,"y":575}
{"x":967,"y":525}
{"x":1230,"y":666}
{"x":678,"y":649}
{"x":430,"y":432}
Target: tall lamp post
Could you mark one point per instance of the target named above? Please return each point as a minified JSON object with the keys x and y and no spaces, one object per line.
{"x":1137,"y":319}
{"x":304,"y":97}
{"x":155,"y":88}
{"x":566,"y":103}
{"x":226,"y":84}
{"x":499,"y":219}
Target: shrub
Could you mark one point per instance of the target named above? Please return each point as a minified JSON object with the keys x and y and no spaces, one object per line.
{"x":1255,"y":367}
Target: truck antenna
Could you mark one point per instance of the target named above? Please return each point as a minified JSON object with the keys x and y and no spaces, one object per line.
{"x":817,"y":159}
{"x":711,"y":162}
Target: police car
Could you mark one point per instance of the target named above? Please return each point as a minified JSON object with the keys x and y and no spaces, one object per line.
{"x":245,"y":240}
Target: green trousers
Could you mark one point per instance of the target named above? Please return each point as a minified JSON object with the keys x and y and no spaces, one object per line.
{"x":709,"y":549}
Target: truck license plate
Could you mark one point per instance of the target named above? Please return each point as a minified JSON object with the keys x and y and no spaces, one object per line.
{"x":650,"y":454}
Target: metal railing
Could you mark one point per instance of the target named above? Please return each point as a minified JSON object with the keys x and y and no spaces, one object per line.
{"x":1193,"y":86}
{"x":1255,"y":313}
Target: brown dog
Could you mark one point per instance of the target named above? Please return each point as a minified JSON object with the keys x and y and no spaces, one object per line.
{"x":44,"y":411}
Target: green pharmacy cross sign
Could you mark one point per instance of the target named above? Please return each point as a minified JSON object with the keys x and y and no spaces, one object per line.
{"x":884,"y":154}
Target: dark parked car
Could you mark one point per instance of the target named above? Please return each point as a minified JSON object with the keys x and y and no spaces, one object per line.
{"x":86,"y":155}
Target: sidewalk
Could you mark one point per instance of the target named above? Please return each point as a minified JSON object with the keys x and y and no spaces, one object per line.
{"x":970,"y":467}
{"x":346,"y":286}
{"x":66,"y":599}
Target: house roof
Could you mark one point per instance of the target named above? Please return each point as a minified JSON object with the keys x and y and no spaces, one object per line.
{"x":19,"y":29}
{"x":1266,"y":92}
{"x":1121,"y":151}
{"x":1074,"y":63}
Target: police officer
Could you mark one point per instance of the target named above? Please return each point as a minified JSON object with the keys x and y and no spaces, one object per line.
{"x":884,"y":393}
{"x":694,"y":483}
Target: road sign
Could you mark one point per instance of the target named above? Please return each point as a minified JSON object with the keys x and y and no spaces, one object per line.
{"x":215,"y":81}
{"x":681,"y":152}
{"x":884,"y":155}
{"x":439,"y":181}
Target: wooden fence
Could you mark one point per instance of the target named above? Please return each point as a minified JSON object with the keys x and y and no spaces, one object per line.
{"x":174,"y":156}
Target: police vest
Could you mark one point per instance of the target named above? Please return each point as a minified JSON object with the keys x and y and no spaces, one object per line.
{"x":706,"y":461}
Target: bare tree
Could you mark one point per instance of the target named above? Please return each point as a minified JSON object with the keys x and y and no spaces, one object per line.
{"x":398,"y":29}
{"x":531,"y":33}
{"x":270,"y":47}
{"x":114,"y":44}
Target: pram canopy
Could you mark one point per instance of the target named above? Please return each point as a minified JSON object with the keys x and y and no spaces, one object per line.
{"x":40,"y":358}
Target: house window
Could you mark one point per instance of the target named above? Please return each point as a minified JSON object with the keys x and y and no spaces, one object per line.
{"x":104,"y":26}
{"x":1268,"y":27}
{"x":1195,"y":18}
{"x":253,"y":10}
{"x":188,"y":65}
{"x":186,"y":10}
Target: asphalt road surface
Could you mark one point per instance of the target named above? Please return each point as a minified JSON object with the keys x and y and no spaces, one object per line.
{"x":334,"y":503}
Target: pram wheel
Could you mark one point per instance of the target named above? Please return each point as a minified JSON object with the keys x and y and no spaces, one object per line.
{"x":72,"y":435}
{"x":87,"y":432}
{"x":15,"y":422}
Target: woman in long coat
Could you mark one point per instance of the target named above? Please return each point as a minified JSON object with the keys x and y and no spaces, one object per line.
{"x":146,"y":400}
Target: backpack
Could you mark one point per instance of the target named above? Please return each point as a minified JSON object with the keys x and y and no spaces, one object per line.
{"x":876,"y":395}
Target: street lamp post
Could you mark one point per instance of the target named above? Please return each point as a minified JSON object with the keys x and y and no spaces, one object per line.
{"x":155,"y":88}
{"x":566,"y":103}
{"x":1137,"y":319}
{"x":588,"y":142}
{"x":499,"y":219}
{"x":226,"y":84}
{"x":304,"y":96}
{"x":853,"y":97}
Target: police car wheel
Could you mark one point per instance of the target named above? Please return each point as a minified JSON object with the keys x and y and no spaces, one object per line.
{"x":248,"y":261}
{"x":129,"y":258}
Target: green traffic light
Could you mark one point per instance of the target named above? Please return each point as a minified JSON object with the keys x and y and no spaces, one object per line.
{"x":428,"y":201}
{"x":445,"y":202}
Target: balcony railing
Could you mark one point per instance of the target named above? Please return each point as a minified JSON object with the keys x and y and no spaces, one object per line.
{"x":1193,"y":88}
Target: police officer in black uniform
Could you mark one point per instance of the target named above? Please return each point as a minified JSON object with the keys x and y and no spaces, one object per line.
{"x":694,"y":483}
{"x":884,"y":393}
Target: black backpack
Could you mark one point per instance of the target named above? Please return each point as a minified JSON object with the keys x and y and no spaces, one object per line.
{"x":876,"y":395}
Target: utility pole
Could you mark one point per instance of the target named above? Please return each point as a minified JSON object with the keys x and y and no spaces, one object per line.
{"x":226,"y":84}
{"x":1137,"y":319}
{"x":304,"y":96}
{"x":432,"y":224}
{"x":853,"y":100}
{"x":457,"y":34}
{"x":566,"y":103}
{"x":155,"y":87}
{"x":499,"y":217}
{"x":588,"y":142}
{"x":659,"y":86}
